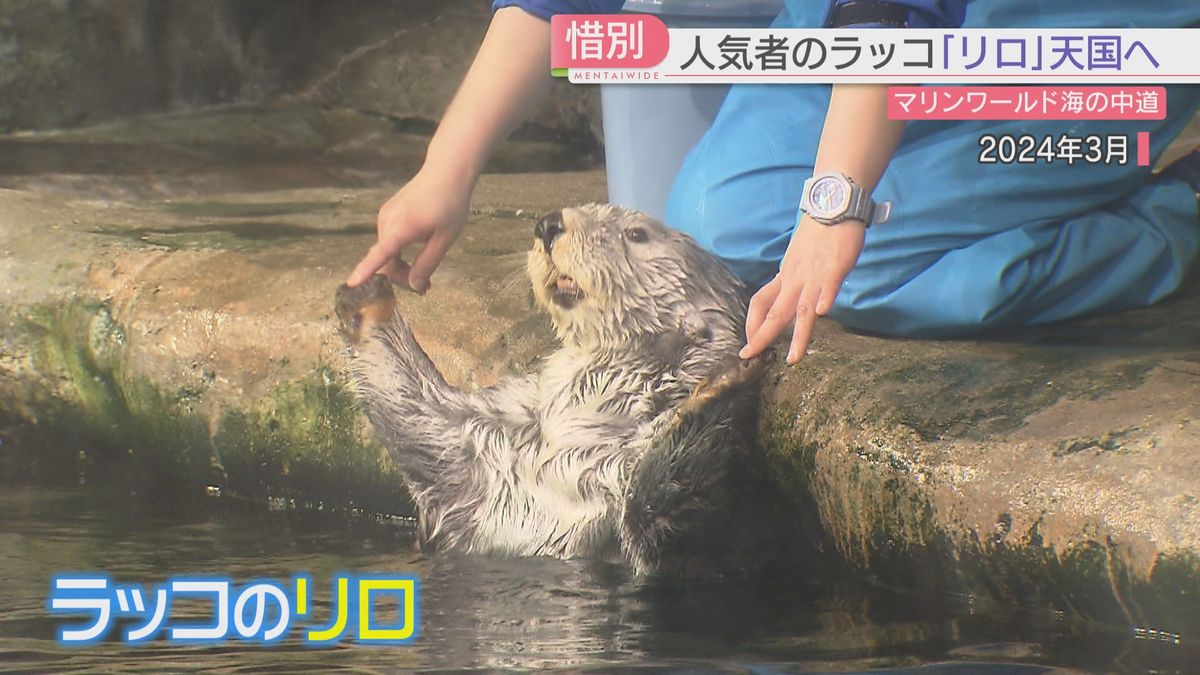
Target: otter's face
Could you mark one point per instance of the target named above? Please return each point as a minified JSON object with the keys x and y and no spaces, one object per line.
{"x":604,"y":274}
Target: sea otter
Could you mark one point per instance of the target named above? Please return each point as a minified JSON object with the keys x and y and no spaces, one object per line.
{"x":631,"y":441}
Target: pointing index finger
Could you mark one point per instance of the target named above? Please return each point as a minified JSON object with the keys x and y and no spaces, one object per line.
{"x":375,"y":259}
{"x":780,"y":314}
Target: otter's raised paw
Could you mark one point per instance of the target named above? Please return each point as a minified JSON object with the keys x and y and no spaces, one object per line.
{"x":359,"y":309}
{"x":735,"y":372}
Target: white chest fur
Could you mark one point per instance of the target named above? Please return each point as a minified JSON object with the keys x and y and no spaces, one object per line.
{"x":558,"y":490}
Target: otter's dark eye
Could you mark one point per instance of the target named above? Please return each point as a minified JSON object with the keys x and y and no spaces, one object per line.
{"x":637,"y":235}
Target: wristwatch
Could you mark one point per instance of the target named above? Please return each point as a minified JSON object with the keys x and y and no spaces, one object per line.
{"x":831,"y":197}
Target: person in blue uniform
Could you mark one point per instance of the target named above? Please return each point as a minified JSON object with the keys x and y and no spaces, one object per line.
{"x":967,"y":245}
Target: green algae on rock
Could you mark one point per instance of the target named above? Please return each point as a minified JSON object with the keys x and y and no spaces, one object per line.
{"x":304,"y":443}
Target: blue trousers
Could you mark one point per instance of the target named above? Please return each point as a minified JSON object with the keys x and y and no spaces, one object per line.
{"x":969,"y":245}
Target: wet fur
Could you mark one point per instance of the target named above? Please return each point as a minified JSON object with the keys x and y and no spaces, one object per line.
{"x":628,"y":442}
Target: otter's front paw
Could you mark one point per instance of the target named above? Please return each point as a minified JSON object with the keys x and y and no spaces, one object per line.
{"x":359,"y":309}
{"x":732,"y":374}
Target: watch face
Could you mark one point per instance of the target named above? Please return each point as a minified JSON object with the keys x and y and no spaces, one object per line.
{"x":829,"y":196}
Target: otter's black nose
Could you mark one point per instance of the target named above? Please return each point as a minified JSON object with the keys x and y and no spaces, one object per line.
{"x":548,"y":228}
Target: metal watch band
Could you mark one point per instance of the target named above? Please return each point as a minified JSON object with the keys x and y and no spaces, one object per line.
{"x":880,"y":212}
{"x":860,"y":205}
{"x":865,"y":209}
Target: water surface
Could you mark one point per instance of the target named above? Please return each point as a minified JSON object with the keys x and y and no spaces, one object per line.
{"x":483,"y":612}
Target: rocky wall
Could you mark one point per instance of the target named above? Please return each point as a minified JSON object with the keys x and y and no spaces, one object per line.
{"x":82,"y":62}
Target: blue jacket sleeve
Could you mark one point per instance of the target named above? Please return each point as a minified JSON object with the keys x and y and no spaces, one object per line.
{"x":896,"y":13}
{"x":545,"y":9}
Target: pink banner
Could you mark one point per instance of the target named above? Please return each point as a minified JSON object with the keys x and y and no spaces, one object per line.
{"x":607,"y":41}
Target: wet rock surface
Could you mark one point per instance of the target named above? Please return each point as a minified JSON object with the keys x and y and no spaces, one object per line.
{"x":166,"y":310}
{"x":1058,"y":464}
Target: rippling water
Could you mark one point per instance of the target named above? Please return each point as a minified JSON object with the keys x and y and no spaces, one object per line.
{"x":480,"y":612}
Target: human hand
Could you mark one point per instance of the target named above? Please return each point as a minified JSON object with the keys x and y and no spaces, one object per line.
{"x":817,"y":260}
{"x":429,"y":209}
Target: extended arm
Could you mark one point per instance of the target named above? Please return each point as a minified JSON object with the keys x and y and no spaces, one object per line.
{"x":858,"y":140}
{"x":509,"y":76}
